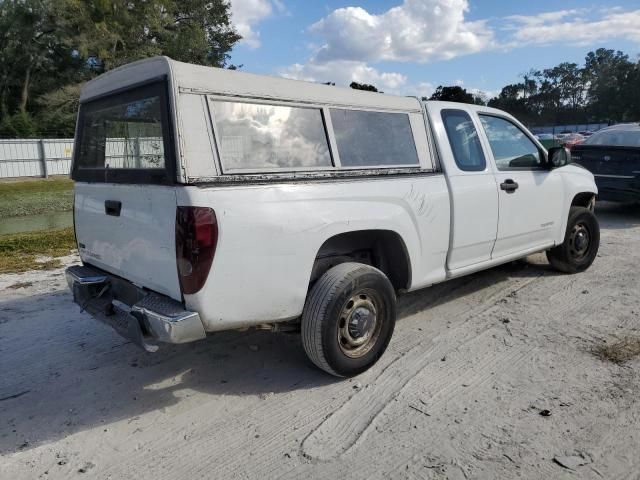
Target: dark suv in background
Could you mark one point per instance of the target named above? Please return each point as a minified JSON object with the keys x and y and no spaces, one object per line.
{"x":613,"y":156}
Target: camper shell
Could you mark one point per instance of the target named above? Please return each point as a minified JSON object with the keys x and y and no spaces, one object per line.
{"x":190,"y":90}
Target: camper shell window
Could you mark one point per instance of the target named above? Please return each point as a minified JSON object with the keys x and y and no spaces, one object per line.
{"x":125,"y":138}
{"x":255,"y":136}
{"x":368,"y":139}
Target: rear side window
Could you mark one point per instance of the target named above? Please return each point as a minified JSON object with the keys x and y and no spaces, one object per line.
{"x":373,"y":139}
{"x":464,"y":141}
{"x":269,"y":137}
{"x":125,"y":138}
{"x":615,"y":137}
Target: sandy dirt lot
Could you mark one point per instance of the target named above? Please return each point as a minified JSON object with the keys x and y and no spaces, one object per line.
{"x":489,"y":376}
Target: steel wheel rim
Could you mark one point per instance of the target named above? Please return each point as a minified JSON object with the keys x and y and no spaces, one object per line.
{"x":359,"y":324}
{"x":579,"y":241}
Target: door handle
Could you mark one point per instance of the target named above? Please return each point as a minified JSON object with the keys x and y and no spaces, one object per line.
{"x":509,"y":185}
{"x":112,"y":207}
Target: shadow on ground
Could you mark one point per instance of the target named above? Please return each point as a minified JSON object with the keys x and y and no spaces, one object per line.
{"x":618,"y":215}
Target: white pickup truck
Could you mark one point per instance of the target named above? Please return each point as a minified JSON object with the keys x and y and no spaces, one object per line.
{"x":208,"y":199}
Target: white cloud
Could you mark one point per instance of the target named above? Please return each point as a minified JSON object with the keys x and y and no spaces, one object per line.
{"x":343,"y":72}
{"x":422,"y":89}
{"x":352,"y":40}
{"x":246,"y":14}
{"x":486,"y":94}
{"x":574,"y":27}
{"x":542,"y":18}
{"x":416,"y":31}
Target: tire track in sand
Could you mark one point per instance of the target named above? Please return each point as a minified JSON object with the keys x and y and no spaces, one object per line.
{"x":343,"y":429}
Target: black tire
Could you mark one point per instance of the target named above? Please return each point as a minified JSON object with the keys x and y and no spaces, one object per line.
{"x":572,"y":256}
{"x":347,"y":299}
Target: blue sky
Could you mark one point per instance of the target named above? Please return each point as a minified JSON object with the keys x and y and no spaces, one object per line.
{"x":411,"y":46}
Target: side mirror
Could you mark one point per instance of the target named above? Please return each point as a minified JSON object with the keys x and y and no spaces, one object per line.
{"x":558,"y":157}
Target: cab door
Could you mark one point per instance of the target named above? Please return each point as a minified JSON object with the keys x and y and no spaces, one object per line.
{"x":472,"y":185}
{"x":530,"y":197}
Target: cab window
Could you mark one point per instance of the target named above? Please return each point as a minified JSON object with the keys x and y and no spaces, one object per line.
{"x":511,"y":147}
{"x":464,"y":141}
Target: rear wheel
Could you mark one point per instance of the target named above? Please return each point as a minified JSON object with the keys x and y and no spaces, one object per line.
{"x":348,"y":319}
{"x":581,"y":242}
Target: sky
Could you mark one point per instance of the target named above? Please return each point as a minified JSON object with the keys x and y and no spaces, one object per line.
{"x":409,"y":47}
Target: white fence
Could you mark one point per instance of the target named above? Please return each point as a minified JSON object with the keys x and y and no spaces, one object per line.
{"x":44,"y":157}
{"x":134,"y":152}
{"x":35,"y":157}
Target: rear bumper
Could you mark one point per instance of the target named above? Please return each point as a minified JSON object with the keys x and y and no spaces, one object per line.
{"x":137,"y":314}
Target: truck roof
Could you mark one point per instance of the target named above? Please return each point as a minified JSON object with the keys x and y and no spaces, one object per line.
{"x":210,"y":80}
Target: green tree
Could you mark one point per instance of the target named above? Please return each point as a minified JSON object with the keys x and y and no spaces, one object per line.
{"x":606,"y":88}
{"x":632,"y":94}
{"x":31,"y":45}
{"x":58,"y":110}
{"x":18,"y":125}
{"x":48,"y":45}
{"x":513,"y":99}
{"x":187,"y":30}
{"x":610,"y":76}
{"x":364,"y":86}
{"x":456,"y":94}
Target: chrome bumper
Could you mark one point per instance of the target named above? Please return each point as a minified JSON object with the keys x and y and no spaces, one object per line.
{"x":137,"y":314}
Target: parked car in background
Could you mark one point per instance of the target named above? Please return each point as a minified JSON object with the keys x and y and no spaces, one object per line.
{"x":613,"y":156}
{"x":208,"y":199}
{"x":571,"y":140}
{"x":586,"y":133}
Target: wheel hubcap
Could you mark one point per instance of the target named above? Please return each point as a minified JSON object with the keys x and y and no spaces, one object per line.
{"x":359,"y":325}
{"x":579,"y":241}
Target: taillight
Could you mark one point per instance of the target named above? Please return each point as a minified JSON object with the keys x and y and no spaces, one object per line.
{"x":196,"y":240}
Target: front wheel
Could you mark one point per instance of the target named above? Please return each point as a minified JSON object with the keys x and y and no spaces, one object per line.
{"x":581,"y":242}
{"x":348,"y":319}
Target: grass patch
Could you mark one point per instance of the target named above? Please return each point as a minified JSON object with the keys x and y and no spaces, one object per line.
{"x":33,"y":197}
{"x":621,"y":351}
{"x":19,"y":252}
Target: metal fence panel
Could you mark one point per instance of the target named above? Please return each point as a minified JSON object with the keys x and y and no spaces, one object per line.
{"x":52,"y":156}
{"x":20,"y":158}
{"x":58,"y":155}
{"x":35,"y":157}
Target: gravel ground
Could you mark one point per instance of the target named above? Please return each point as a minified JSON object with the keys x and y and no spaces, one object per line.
{"x":495,"y":375}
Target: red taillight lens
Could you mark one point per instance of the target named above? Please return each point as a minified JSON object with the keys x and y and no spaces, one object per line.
{"x":196,"y":240}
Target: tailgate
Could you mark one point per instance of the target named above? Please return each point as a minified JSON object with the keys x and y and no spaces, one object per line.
{"x":129,"y":230}
{"x":125,"y":198}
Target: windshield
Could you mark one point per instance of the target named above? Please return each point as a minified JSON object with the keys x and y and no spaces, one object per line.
{"x":615,"y":137}
{"x":123,"y":138}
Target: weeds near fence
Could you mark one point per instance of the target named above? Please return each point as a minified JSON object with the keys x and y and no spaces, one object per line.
{"x":33,"y":197}
{"x":35,"y":250}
